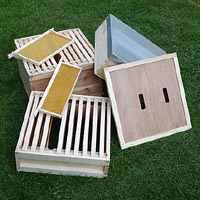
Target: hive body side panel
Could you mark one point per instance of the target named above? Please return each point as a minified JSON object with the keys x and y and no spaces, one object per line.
{"x":101,"y":50}
{"x":60,"y":165}
{"x":24,"y":77}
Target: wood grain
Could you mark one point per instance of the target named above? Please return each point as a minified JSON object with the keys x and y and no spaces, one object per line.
{"x":158,"y":118}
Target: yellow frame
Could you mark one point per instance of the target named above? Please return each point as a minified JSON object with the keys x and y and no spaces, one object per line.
{"x":42,"y":48}
{"x":59,"y":89}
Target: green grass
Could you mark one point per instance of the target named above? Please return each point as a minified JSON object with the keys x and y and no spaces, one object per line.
{"x":168,"y":168}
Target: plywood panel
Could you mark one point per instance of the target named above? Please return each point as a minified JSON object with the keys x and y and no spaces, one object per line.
{"x":59,"y":89}
{"x":148,"y":99}
{"x":39,"y":50}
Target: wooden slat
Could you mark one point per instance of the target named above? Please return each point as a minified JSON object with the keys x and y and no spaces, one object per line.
{"x":82,"y":41}
{"x":70,"y":126}
{"x":78,"y":52}
{"x":102,"y":129}
{"x":30,"y":125}
{"x":62,"y":131}
{"x":80,"y":55}
{"x":26,"y":118}
{"x":53,"y":61}
{"x":87,"y":41}
{"x":80,"y":46}
{"x":64,"y":57}
{"x":108,"y":119}
{"x":86,"y":128}
{"x":32,"y":67}
{"x":19,"y":43}
{"x":68,"y":56}
{"x":94,"y":127}
{"x":45,"y":133}
{"x":78,"y":127}
{"x":26,"y":40}
{"x":73,"y":53}
{"x":37,"y":132}
{"x":49,"y":65}
{"x":44,"y":67}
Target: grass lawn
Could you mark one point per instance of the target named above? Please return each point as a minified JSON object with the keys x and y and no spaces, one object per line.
{"x":168,"y":168}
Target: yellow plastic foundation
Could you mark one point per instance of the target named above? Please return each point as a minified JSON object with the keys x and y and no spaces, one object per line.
{"x":61,"y":89}
{"x":43,"y":47}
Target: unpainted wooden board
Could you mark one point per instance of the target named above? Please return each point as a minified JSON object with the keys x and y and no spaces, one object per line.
{"x":141,"y":120}
{"x":101,"y":50}
{"x":59,"y":89}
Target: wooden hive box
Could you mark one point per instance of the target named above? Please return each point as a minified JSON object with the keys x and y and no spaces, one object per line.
{"x":80,"y":53}
{"x":78,"y":144}
{"x":148,"y":99}
{"x":116,"y":43}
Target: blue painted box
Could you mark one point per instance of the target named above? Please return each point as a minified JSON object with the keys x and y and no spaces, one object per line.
{"x":116,"y":42}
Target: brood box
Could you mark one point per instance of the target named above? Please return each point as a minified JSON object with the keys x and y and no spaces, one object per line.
{"x":116,"y":43}
{"x":80,"y":53}
{"x":148,"y":99}
{"x":78,"y":144}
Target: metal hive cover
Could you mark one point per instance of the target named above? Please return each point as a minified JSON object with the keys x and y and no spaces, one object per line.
{"x":126,"y":45}
{"x":117,"y":43}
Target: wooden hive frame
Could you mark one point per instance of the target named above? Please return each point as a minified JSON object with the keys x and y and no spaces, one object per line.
{"x":64,"y":79}
{"x":41,"y":48}
{"x":82,"y":144}
{"x":80,"y":53}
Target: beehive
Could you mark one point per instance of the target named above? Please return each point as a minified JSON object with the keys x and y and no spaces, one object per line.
{"x":78,"y":144}
{"x":80,"y":53}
